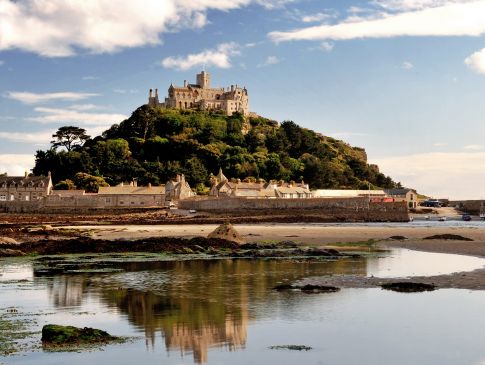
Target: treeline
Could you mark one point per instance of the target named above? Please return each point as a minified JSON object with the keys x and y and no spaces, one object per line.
{"x":155,"y":144}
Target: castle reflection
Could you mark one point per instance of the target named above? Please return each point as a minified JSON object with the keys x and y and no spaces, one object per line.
{"x":196,"y":305}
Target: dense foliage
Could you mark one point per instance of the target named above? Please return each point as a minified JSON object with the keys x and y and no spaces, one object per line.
{"x":155,"y":144}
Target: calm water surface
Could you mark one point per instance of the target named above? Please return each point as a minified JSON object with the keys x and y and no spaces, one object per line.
{"x":224,"y":311}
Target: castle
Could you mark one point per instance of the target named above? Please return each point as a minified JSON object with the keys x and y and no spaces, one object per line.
{"x":202,"y":96}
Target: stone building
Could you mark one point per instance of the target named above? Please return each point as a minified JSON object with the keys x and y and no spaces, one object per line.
{"x":407,"y":195}
{"x":24,"y":188}
{"x":132,"y":195}
{"x":178,"y":189}
{"x":222,"y":187}
{"x":201,"y":96}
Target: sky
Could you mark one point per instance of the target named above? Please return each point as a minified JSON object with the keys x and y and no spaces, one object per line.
{"x":405,"y":79}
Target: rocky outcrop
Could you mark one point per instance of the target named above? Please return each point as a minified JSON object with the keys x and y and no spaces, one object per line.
{"x":56,"y":335}
{"x":227,"y":232}
{"x":408,"y":287}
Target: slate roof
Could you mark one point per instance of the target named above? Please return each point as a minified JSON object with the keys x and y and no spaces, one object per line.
{"x":22,"y":181}
{"x":398,"y":192}
{"x":132,"y":190}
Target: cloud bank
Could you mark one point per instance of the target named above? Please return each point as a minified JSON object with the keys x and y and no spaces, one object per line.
{"x":219,"y":57}
{"x":442,"y":175}
{"x":418,"y":18}
{"x":61,"y":28}
{"x":26,"y":97}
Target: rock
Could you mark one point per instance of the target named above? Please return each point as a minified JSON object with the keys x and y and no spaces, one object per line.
{"x":448,"y":236}
{"x":308,"y":288}
{"x":408,"y":287}
{"x":398,"y":238}
{"x":8,"y":241}
{"x":282,"y":287}
{"x":8,"y":252}
{"x":291,"y":347}
{"x":53,"y":334}
{"x":227,"y":232}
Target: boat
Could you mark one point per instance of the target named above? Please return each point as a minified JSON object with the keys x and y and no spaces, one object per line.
{"x":442,"y":219}
{"x":466,"y":217}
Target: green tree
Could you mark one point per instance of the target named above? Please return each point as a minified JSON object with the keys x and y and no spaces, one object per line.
{"x":69,"y":137}
{"x":65,"y":185}
{"x":88,"y":182}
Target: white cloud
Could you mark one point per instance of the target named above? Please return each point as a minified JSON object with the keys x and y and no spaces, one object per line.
{"x":2,"y":63}
{"x":16,"y":164}
{"x":126,"y":91}
{"x":473,"y":147}
{"x":439,"y":144}
{"x":37,"y":138}
{"x":270,"y":60}
{"x":444,"y":19}
{"x":400,"y":5}
{"x":453,"y":175}
{"x":219,"y":57}
{"x":59,"y":28}
{"x":76,"y":117}
{"x":476,"y":61}
{"x":326,"y":46}
{"x":407,"y":65}
{"x":317,"y":17}
{"x":86,"y":107}
{"x":89,"y":77}
{"x":38,"y":98}
{"x":274,"y":4}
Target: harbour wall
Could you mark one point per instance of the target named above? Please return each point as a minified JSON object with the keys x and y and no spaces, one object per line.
{"x":332,"y":209}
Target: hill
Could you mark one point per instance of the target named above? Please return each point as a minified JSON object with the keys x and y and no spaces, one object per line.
{"x":155,"y":144}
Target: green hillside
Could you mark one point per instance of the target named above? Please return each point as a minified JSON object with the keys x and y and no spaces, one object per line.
{"x":155,"y":144}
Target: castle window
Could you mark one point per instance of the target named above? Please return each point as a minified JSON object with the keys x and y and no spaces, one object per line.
{"x":3,"y":198}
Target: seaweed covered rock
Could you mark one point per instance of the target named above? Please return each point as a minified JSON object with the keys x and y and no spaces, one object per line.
{"x":308,"y":288}
{"x":447,"y":236}
{"x":408,"y":287}
{"x":227,"y":232}
{"x":53,"y":334}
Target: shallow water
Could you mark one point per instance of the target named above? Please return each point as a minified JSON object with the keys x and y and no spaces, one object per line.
{"x":224,"y":311}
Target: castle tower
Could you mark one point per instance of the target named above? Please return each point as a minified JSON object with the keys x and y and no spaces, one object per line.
{"x":204,"y":80}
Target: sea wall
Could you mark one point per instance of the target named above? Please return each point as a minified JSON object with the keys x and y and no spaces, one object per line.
{"x":83,"y":204}
{"x":331,"y":209}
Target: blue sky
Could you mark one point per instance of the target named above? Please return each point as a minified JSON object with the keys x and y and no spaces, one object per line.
{"x":405,"y":79}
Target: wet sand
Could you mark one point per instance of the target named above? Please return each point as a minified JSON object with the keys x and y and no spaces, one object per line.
{"x":326,"y":235}
{"x":312,"y":234}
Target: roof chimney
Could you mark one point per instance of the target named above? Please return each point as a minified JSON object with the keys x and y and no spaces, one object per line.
{"x":150,"y":95}
{"x":26,"y":174}
{"x":185,"y":83}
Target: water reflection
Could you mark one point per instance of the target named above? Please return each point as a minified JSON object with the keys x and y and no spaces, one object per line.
{"x":194,"y":305}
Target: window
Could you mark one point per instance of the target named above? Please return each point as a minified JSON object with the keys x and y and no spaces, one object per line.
{"x":27,"y":198}
{"x":3,"y":198}
{"x":12,"y":197}
{"x":107,"y":200}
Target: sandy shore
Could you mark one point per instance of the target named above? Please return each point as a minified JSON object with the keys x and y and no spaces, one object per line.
{"x":326,"y":235}
{"x":314,"y":234}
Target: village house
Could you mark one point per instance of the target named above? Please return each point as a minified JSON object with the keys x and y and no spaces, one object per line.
{"x":132,"y":195}
{"x":407,"y":195}
{"x":201,"y":96}
{"x":222,"y":187}
{"x":24,"y":188}
{"x":178,"y":189}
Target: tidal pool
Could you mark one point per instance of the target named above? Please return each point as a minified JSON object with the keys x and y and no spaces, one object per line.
{"x":225,"y":312}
